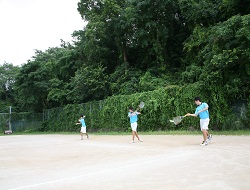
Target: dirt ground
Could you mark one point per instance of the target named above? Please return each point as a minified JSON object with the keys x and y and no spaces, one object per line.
{"x":62,"y":162}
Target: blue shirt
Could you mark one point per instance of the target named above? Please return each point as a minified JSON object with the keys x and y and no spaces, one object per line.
{"x":82,"y":122}
{"x":133,"y":118}
{"x":204,"y":114}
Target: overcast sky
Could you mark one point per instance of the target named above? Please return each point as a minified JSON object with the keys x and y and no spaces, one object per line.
{"x":26,"y":25}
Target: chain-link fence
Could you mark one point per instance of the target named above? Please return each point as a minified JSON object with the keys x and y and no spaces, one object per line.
{"x":21,"y":122}
{"x":64,"y":119}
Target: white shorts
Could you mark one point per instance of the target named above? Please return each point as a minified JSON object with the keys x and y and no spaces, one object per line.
{"x":204,"y":123}
{"x":134,"y":126}
{"x":83,"y":130}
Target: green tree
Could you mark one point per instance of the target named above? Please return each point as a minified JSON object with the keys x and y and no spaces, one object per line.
{"x":219,"y":57}
{"x":207,"y":13}
{"x":124,"y":80}
{"x":32,"y":84}
{"x":89,"y":83}
{"x":8,"y":74}
{"x":142,"y":33}
{"x":99,"y":35}
{"x":42,"y":82}
{"x":154,"y":25}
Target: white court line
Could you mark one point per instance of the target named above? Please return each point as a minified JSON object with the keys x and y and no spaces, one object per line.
{"x":189,"y":151}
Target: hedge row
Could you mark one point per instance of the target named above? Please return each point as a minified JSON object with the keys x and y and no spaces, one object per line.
{"x":160,"y":106}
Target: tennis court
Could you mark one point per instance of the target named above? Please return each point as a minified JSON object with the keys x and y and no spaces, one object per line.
{"x":109,"y":162}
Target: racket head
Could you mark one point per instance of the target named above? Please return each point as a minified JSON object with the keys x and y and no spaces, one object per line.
{"x":141,"y":105}
{"x":177,"y":119}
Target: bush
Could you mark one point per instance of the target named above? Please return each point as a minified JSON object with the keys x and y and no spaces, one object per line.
{"x":160,"y":106}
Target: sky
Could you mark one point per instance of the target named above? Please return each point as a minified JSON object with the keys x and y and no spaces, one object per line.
{"x":26,"y":25}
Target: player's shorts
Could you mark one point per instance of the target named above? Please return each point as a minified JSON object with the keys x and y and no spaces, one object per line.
{"x":204,"y":123}
{"x":83,"y":130}
{"x":134,"y":126}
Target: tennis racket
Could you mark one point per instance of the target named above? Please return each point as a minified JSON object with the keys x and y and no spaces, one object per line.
{"x":176,"y":120}
{"x":140,"y":106}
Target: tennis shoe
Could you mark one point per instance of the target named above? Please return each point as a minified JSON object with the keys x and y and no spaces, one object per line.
{"x":140,"y":140}
{"x":132,"y":142}
{"x":204,"y":143}
{"x":210,"y":137}
{"x":208,"y":140}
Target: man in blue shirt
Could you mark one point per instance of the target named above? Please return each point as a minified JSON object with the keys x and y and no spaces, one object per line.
{"x":133,"y":116}
{"x":203,"y":113}
{"x":83,"y":128}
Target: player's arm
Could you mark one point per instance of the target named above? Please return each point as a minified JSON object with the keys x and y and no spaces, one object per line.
{"x":132,"y":113}
{"x":197,"y":112}
{"x":191,"y":114}
{"x":204,"y":109}
{"x":78,"y":123}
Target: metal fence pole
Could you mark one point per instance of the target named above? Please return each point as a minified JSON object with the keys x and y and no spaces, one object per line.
{"x":10,"y":120}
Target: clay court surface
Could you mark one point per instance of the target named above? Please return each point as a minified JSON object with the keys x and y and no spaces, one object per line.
{"x":171,"y":162}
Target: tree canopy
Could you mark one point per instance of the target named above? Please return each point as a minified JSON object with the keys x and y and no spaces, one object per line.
{"x":131,"y":46}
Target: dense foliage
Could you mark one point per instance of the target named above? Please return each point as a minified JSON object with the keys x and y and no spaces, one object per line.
{"x":130,"y":47}
{"x":8,"y":74}
{"x":161,"y":105}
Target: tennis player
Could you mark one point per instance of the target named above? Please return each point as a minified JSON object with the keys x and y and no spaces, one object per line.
{"x":133,"y":116}
{"x":83,"y":128}
{"x":203,"y":113}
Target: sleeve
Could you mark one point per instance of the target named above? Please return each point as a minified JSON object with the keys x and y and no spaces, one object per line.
{"x":196,"y":111}
{"x":205,"y":105}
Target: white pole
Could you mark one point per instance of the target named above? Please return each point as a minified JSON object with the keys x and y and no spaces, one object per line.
{"x":10,"y":120}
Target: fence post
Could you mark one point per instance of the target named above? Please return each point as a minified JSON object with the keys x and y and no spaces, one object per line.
{"x":10,"y":120}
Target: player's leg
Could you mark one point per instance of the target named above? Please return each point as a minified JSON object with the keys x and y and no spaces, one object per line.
{"x":87,"y":135}
{"x":133,"y":136}
{"x":81,"y":135}
{"x":204,"y":133}
{"x":133,"y":127}
{"x":209,"y":137}
{"x":83,"y":130}
{"x":135,"y":132}
{"x":204,"y":128}
{"x":139,"y":139}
